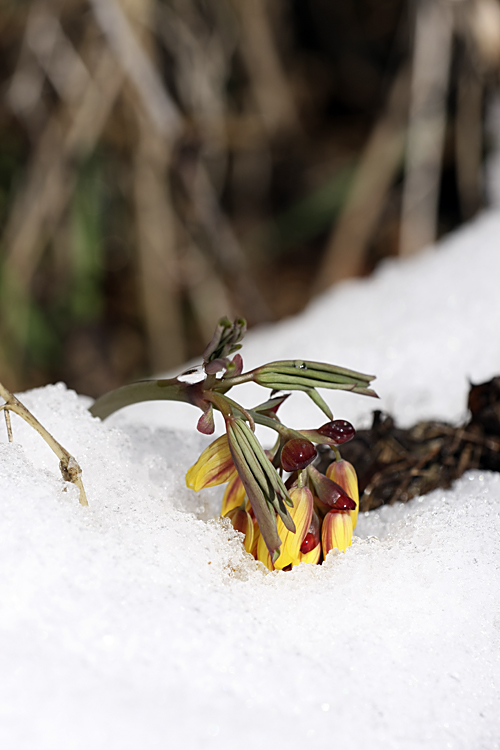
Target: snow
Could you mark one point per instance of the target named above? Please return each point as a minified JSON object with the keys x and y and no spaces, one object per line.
{"x":140,"y":621}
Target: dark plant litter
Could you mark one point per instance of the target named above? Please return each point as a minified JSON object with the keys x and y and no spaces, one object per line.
{"x":396,"y":465}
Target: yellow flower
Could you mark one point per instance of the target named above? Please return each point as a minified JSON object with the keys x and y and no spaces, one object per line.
{"x":234,"y":495}
{"x":310,"y":550}
{"x":309,"y":557}
{"x":242,"y":521}
{"x":301,"y":514}
{"x":262,"y":553}
{"x":336,"y":531}
{"x":344,"y":474}
{"x":214,"y":466}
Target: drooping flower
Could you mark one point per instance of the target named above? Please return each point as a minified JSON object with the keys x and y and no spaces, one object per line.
{"x":336,"y":531}
{"x":344,"y":474}
{"x":214,"y":466}
{"x":243,"y":522}
{"x":262,"y":553}
{"x":331,"y":495}
{"x":310,"y":549}
{"x":301,"y":513}
{"x":234,"y":495}
{"x":338,"y":525}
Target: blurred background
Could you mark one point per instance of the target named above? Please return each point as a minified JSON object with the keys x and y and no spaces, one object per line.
{"x":166,"y":162}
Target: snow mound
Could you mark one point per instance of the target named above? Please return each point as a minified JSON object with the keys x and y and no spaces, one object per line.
{"x":134,"y":623}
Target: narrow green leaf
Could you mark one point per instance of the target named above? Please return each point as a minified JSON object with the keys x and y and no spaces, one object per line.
{"x":306,"y":365}
{"x":319,"y":401}
{"x":279,"y":495}
{"x":266,"y":518}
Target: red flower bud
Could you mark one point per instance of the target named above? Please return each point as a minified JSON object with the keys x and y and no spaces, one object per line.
{"x":297,"y":454}
{"x":312,"y":538}
{"x":339,"y":431}
{"x":330,"y":493}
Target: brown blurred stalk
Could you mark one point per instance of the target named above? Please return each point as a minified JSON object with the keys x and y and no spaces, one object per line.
{"x":381,"y":158}
{"x":426,"y":130}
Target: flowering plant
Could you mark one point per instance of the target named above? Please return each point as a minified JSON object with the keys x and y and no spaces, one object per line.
{"x":285,"y":520}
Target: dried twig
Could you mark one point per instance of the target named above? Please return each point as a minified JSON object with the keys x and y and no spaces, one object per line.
{"x":70,"y":469}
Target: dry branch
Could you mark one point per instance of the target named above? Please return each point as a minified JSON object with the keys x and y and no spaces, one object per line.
{"x":70,"y":469}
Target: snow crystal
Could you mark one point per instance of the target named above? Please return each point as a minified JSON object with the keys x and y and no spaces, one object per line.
{"x":141,"y":622}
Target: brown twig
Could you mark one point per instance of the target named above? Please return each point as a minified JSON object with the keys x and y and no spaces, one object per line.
{"x":70,"y":469}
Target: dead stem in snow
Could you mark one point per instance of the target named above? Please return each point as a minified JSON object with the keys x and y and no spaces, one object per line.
{"x":70,"y":469}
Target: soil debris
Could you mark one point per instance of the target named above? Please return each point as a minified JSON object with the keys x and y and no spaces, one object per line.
{"x":395,"y":465}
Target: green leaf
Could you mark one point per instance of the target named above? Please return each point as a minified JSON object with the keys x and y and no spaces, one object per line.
{"x":319,"y":401}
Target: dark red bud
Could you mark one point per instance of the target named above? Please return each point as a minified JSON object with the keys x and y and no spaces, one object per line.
{"x":330,"y":493}
{"x":308,"y":544}
{"x":339,"y":431}
{"x":297,"y":454}
{"x":312,"y":538}
{"x":344,"y":502}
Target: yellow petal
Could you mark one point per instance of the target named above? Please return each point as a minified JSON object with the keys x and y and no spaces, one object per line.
{"x":301,"y":514}
{"x":309,"y":557}
{"x":284,"y":560}
{"x":263,"y":553}
{"x":233,"y":496}
{"x":242,"y":521}
{"x":256,"y":536}
{"x":336,"y":531}
{"x":214,"y":466}
{"x":344,"y":474}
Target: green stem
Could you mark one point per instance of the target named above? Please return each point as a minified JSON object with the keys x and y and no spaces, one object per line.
{"x":287,"y":433}
{"x":145,"y":390}
{"x":229,"y":382}
{"x":227,"y":406}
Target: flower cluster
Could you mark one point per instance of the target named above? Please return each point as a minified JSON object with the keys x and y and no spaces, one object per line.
{"x":324,"y":508}
{"x":288,"y":519}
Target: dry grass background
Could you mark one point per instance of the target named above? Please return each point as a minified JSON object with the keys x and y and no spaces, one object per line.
{"x":165,"y":163}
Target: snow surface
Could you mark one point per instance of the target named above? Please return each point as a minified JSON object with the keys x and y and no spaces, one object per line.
{"x":141,"y":623}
